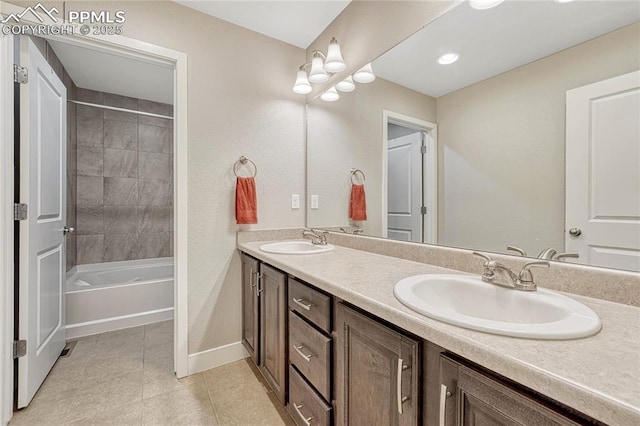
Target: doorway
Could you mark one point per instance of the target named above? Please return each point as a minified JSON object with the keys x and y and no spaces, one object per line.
{"x":410,"y":179}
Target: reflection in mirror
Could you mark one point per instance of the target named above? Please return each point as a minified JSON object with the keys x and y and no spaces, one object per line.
{"x":529,"y":140}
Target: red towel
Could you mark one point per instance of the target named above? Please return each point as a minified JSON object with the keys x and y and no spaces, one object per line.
{"x":358,"y":203}
{"x":246,"y":201}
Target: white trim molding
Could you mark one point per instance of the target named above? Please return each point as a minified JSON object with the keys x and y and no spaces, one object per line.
{"x":211,"y":358}
{"x":89,"y":328}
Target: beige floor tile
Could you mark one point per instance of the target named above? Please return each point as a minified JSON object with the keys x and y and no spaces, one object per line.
{"x":239,"y":398}
{"x":124,"y":415}
{"x":189,"y":404}
{"x":124,"y":364}
{"x":158,"y":381}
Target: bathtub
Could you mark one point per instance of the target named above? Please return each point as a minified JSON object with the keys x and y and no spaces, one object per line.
{"x":110,"y":296}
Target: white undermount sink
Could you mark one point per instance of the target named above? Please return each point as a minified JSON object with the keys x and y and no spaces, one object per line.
{"x":467,"y":301}
{"x":295,"y":247}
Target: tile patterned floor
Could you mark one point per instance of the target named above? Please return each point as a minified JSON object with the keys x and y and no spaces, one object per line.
{"x":126,"y":377}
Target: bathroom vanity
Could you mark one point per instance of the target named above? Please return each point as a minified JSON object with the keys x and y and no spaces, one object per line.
{"x":338,"y":348}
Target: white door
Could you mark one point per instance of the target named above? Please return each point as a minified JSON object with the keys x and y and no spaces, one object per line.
{"x":603,"y":172}
{"x":42,"y":252}
{"x":404,"y":215}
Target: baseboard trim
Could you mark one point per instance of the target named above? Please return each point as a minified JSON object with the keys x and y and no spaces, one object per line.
{"x":88,"y":328}
{"x":216,"y":357}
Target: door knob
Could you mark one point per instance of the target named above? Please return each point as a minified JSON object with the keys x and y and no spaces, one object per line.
{"x":68,"y":230}
{"x":575,"y":232}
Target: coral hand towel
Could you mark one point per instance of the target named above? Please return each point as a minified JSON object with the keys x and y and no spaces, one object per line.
{"x":246,"y":201}
{"x":358,"y":203}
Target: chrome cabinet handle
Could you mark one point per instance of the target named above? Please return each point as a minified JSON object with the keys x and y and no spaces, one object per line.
{"x":401,"y":399}
{"x":251,"y":280}
{"x":444,"y":394}
{"x":302,"y":354}
{"x":306,"y":420}
{"x":259,"y":288}
{"x":302,"y":304}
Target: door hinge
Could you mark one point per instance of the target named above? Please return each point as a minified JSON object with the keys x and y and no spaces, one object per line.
{"x":423,"y":210}
{"x":20,"y":74}
{"x":19,"y":348}
{"x":19,"y":211}
{"x":423,"y":149}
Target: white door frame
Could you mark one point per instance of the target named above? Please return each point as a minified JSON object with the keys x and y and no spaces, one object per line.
{"x":122,"y":46}
{"x":430,"y":182}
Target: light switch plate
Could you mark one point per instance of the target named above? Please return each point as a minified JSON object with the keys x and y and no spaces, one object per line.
{"x":295,"y":201}
{"x":314,"y":202}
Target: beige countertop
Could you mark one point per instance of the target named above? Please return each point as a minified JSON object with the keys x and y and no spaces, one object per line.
{"x":599,"y":375}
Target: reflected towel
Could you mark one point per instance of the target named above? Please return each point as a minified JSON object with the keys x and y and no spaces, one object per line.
{"x":246,"y":201}
{"x":358,"y":203}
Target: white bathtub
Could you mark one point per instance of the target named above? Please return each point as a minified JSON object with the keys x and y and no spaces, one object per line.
{"x":110,"y":296}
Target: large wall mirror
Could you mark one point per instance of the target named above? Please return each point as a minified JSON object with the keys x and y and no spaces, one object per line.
{"x":530,"y":140}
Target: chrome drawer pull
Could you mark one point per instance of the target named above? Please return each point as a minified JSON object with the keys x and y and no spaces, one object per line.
{"x":444,"y":394}
{"x":251,"y":280}
{"x":401,"y":399}
{"x":306,"y":420}
{"x":302,"y":304}
{"x":302,"y":354}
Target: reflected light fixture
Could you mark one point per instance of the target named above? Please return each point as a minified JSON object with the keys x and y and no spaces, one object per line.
{"x":302,"y":85}
{"x":484,"y":4}
{"x":448,"y":58}
{"x":346,"y":85}
{"x":331,"y":95}
{"x":364,"y":74}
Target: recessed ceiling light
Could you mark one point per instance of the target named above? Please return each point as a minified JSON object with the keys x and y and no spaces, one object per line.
{"x":448,"y":58}
{"x":484,"y":4}
{"x":564,"y":1}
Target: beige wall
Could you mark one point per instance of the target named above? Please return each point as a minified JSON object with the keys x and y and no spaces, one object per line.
{"x":348,"y":134}
{"x":501,"y":147}
{"x":239,"y":103}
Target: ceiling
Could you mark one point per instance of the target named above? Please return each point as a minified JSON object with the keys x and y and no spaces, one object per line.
{"x":497,"y":40}
{"x":105,"y":72}
{"x":297,"y":22}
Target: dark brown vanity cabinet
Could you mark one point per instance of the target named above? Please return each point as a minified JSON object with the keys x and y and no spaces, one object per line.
{"x":250,"y":306}
{"x":377,"y":372}
{"x":470,"y":397}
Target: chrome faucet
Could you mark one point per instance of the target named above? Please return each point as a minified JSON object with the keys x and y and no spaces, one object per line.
{"x":318,"y":238}
{"x":499,"y":274}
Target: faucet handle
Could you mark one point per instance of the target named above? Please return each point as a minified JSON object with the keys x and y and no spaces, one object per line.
{"x":561,"y":256}
{"x":525,"y":275}
{"x":486,"y":257}
{"x":517,"y":250}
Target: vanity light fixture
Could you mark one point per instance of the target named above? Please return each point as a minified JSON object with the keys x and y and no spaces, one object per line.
{"x":448,"y":58}
{"x":346,"y":85}
{"x":484,"y":4}
{"x":302,"y":85}
{"x":321,"y":66}
{"x":334,"y":62}
{"x":317,"y":73}
{"x":330,"y":95}
{"x":364,"y":74}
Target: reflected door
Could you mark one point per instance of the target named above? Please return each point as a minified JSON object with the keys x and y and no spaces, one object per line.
{"x":42,"y":253}
{"x":404,"y":216}
{"x":603,"y":172}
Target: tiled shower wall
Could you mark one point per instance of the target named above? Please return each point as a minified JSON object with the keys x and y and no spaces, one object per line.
{"x":124,"y":179}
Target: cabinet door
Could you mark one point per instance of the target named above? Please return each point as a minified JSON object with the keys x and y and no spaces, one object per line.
{"x":250,"y":306}
{"x":273,"y":326}
{"x":377,"y":370}
{"x":474,"y":399}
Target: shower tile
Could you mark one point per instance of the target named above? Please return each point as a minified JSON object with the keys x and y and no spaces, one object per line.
{"x":89,"y":111}
{"x":120,"y":101}
{"x":120,"y":219}
{"x":72,"y":191}
{"x":120,"y":191}
{"x":155,"y":107}
{"x":154,"y":192}
{"x":89,"y":190}
{"x":152,"y":245}
{"x":119,"y":247}
{"x":90,"y":220}
{"x":154,"y":138}
{"x":153,"y":218}
{"x":120,"y":134}
{"x":91,"y":96}
{"x":155,"y":121}
{"x":89,"y":131}
{"x":154,"y":166}
{"x":90,"y":161}
{"x":120,"y":163}
{"x":90,"y":248}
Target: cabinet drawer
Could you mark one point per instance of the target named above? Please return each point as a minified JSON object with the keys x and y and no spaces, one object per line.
{"x":310,"y":352}
{"x":305,"y":406}
{"x":310,"y":303}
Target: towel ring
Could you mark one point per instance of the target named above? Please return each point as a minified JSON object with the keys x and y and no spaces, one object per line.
{"x":353,"y":175}
{"x":243,"y":160}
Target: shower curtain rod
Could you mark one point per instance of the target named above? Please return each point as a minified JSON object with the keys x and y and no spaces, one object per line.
{"x":120,"y":109}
